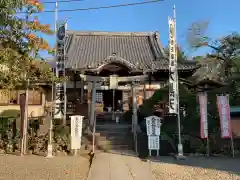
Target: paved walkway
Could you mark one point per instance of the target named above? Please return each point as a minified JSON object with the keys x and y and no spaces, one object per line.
{"x":107,"y":166}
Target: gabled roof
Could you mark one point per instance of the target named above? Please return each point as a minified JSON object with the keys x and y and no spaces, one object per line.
{"x":142,"y":50}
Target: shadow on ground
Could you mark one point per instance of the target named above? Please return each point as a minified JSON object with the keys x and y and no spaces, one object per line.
{"x":218,"y":163}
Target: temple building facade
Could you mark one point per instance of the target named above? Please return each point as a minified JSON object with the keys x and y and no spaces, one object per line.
{"x":116,"y":62}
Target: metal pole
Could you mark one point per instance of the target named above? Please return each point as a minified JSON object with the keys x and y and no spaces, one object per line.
{"x":49,"y":147}
{"x":65,"y":85}
{"x":232,"y":145}
{"x":180,"y":147}
{"x":94,"y":130}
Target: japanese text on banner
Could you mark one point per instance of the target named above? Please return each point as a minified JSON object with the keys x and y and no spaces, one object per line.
{"x":224,"y":114}
{"x":172,"y":68}
{"x":203,"y":113}
{"x":60,"y":69}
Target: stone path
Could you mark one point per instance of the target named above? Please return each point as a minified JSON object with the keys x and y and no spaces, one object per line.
{"x":107,"y":166}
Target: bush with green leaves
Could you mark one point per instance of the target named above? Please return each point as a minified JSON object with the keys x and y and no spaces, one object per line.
{"x":62,"y":138}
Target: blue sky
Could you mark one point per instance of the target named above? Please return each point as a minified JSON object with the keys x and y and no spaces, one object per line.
{"x":222,"y":15}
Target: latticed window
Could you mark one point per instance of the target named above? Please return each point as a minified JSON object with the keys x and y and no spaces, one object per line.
{"x":99,"y":97}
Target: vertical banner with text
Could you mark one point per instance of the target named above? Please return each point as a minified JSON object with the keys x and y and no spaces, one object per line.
{"x":60,"y":70}
{"x":224,"y":115}
{"x":173,"y":76}
{"x":203,"y":113}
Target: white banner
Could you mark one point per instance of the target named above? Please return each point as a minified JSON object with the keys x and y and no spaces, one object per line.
{"x":60,"y":70}
{"x":173,"y":74}
{"x":153,"y":124}
{"x":203,"y":113}
{"x":224,"y":114}
{"x":153,"y":142}
{"x":76,"y":131}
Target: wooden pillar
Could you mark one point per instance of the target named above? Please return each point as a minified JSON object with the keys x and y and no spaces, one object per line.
{"x":140,"y":97}
{"x":82,"y":90}
{"x":92,"y":108}
{"x":144,"y":91}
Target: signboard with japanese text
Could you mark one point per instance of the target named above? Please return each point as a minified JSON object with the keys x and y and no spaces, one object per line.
{"x":153,"y":142}
{"x":203,"y":114}
{"x":76,"y":131}
{"x":224,"y":114}
{"x":60,"y":70}
{"x":153,"y":124}
{"x":173,"y":74}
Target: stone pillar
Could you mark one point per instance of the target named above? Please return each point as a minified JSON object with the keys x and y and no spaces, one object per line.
{"x":134,"y":115}
{"x":92,"y":108}
{"x":89,"y":98}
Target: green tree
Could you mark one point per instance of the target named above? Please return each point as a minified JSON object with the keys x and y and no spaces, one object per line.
{"x":20,"y":44}
{"x":226,"y":49}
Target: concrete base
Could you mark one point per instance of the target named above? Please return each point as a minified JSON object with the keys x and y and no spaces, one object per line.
{"x":49,"y":151}
{"x":180,"y":157}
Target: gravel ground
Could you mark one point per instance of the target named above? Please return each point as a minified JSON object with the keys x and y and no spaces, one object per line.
{"x":40,"y":168}
{"x":196,"y":169}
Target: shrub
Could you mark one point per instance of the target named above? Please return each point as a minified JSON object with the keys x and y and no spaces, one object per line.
{"x":62,"y":139}
{"x":10,"y":113}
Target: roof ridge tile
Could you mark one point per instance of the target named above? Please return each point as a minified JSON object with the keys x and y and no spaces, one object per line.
{"x":109,"y":33}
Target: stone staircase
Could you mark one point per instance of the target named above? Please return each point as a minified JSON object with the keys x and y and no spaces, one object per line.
{"x":114,"y":137}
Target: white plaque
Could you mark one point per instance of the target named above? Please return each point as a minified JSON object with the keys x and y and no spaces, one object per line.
{"x":76,"y":131}
{"x":153,"y":124}
{"x":153,"y":143}
{"x":113,"y":82}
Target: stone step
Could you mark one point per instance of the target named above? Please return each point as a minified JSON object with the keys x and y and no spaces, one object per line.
{"x":107,"y":142}
{"x":114,"y":147}
{"x":115,"y":137}
{"x":108,"y":133}
{"x":118,"y":138}
{"x":108,"y":147}
{"x":113,"y":128}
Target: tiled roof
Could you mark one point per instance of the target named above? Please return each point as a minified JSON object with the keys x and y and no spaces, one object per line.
{"x":90,"y":50}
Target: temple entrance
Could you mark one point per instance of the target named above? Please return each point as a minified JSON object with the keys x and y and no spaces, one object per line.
{"x":112,"y":100}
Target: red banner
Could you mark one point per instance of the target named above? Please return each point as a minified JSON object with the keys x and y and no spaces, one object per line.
{"x":224,"y":114}
{"x":202,"y":97}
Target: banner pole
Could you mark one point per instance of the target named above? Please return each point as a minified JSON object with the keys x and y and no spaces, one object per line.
{"x":208,"y":152}
{"x":232,"y":147}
